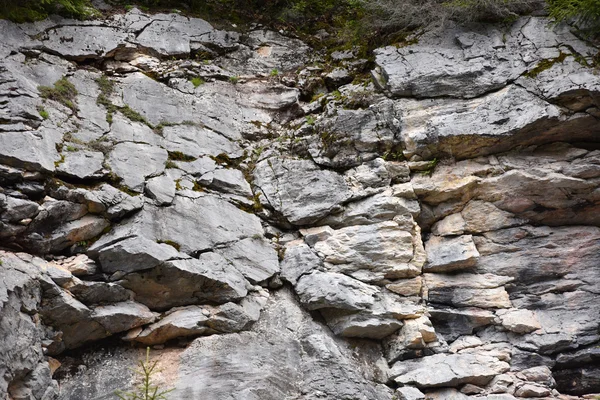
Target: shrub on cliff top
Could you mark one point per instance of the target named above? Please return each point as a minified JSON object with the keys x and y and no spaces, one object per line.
{"x":33,"y":10}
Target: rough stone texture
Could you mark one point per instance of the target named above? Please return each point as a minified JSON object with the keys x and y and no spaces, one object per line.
{"x":448,"y":370}
{"x":299,"y":190}
{"x":442,"y":221}
{"x":133,"y":162}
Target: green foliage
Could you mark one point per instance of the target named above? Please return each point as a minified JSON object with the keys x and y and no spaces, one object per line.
{"x":234,"y":79}
{"x":63,"y":92}
{"x":179,"y":156}
{"x":488,"y":10}
{"x":197,"y":81}
{"x":585,"y":13}
{"x":34,"y":10}
{"x":146,"y":390}
{"x":133,"y":115}
{"x":43,"y":113}
{"x":274,"y":72}
{"x":545,"y":64}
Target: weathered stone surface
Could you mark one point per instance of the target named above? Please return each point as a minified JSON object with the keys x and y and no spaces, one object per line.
{"x":470,"y":62}
{"x":79,"y":265}
{"x":332,"y":290}
{"x":409,"y":393}
{"x":134,"y":254}
{"x":448,"y":370}
{"x":202,"y":320}
{"x":21,"y":348}
{"x":452,"y":254}
{"x":92,"y":293}
{"x":134,"y":162}
{"x":370,"y":253}
{"x":194,"y":224}
{"x":122,"y":316}
{"x":68,"y":234}
{"x":452,"y":323}
{"x":298,"y":260}
{"x":468,"y":290}
{"x":196,"y":141}
{"x":298,"y":189}
{"x":18,"y":209}
{"x":255,"y":258}
{"x":407,"y":287}
{"x":532,"y":390}
{"x":519,"y":321}
{"x":82,"y":165}
{"x":345,"y":138}
{"x":81,"y":42}
{"x":229,"y":181}
{"x":161,"y":189}
{"x":187,"y":281}
{"x":286,"y":354}
{"x":33,"y":151}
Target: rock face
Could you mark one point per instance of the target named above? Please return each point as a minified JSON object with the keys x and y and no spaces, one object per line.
{"x":432,"y":234}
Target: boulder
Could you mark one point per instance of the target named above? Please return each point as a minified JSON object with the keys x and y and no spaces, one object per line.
{"x":448,"y":370}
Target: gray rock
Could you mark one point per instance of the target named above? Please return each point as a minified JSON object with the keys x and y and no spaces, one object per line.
{"x":409,"y":393}
{"x":361,"y":325}
{"x":469,"y":62}
{"x":255,"y":258}
{"x":125,"y":130}
{"x":532,"y":390}
{"x":345,"y":138}
{"x":194,"y":224}
{"x":196,"y":141}
{"x":161,"y":189}
{"x":170,"y":35}
{"x":298,"y":189}
{"x":134,"y":162}
{"x":93,"y":293}
{"x":83,"y":42}
{"x":519,"y":321}
{"x":450,"y":254}
{"x":230,"y":181}
{"x":350,"y":251}
{"x":454,"y":322}
{"x":21,"y":346}
{"x":186,"y":282}
{"x":198,"y":321}
{"x":468,"y":290}
{"x":35,"y":151}
{"x":448,"y":370}
{"x":298,"y":260}
{"x":286,"y":354}
{"x":79,"y":265}
{"x":18,"y":209}
{"x":122,"y":316}
{"x":66,"y":235}
{"x":331,"y":290}
{"x":337,"y":78}
{"x":134,"y":254}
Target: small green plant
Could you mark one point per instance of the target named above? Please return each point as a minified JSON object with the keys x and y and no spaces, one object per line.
{"x":274,"y":72}
{"x":428,"y":171}
{"x":197,"y":81}
{"x":71,"y":148}
{"x":133,"y":115}
{"x":234,"y":79}
{"x":63,"y":92}
{"x":43,"y":113}
{"x":146,"y":390}
{"x":310,"y":120}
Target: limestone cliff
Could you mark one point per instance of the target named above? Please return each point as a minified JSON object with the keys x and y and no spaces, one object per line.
{"x":281,"y":223}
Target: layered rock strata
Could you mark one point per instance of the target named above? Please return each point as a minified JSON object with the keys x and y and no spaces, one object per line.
{"x":276,"y":228}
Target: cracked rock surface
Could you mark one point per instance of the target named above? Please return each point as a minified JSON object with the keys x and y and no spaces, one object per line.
{"x":432,"y":232}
